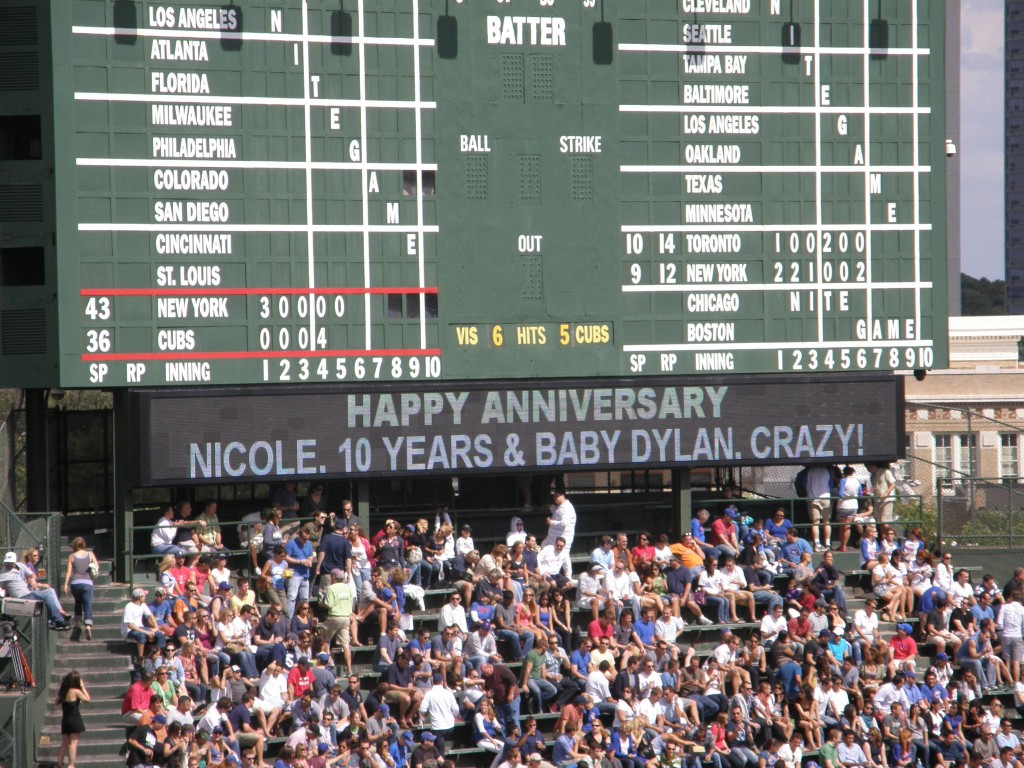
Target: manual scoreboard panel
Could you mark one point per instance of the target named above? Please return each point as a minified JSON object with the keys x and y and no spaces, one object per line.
{"x":383,"y":190}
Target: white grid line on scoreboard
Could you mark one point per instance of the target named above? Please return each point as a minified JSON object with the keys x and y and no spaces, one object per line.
{"x":308,"y":148}
{"x":266,"y":37}
{"x":817,"y":161}
{"x":772,"y":109}
{"x":915,"y":61}
{"x":698,"y":50}
{"x":369,"y":228}
{"x":288,"y":165}
{"x":729,"y":228}
{"x":740,"y":346}
{"x":251,"y":101}
{"x":367,"y":310}
{"x":857,"y":169}
{"x":866,"y":59}
{"x":817,"y":285}
{"x":419,"y":174}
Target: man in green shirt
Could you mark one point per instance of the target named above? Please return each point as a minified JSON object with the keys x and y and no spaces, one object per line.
{"x":533,"y":675}
{"x":829,"y":754}
{"x":340,"y":623}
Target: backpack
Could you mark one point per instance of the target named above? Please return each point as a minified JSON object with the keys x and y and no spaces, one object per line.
{"x":800,"y":483}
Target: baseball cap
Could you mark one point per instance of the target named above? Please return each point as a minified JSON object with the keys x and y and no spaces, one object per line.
{"x":732,"y":512}
{"x":825,"y":633}
{"x":534,"y":757}
{"x":137,"y":592}
{"x":218,"y":729}
{"x":220,"y":556}
{"x":304,"y":660}
{"x":160,"y":720}
{"x":223,"y":585}
{"x":384,"y":709}
{"x":941,"y":657}
{"x":905,"y":628}
{"x":407,"y":735}
{"x":467,"y":528}
{"x":486,"y":626}
{"x":428,"y":736}
{"x":236,"y":668}
{"x":292,"y":636}
{"x":10,"y":557}
{"x":909,"y":673}
{"x":411,"y":528}
{"x":323,"y":658}
{"x":322,"y":748}
{"x":596,"y":567}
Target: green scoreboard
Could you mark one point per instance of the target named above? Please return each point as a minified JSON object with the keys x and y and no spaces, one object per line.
{"x":286,"y":191}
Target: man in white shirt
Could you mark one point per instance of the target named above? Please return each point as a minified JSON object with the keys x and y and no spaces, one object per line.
{"x":890,"y":692}
{"x":617,"y":582}
{"x":554,"y":564}
{"x":599,"y":691}
{"x":138,"y":624}
{"x":865,"y":626}
{"x":481,"y":646}
{"x":838,"y":701}
{"x":667,"y":628}
{"x":1011,"y":631}
{"x":734,"y":581}
{"x":562,"y":523}
{"x":819,"y":489}
{"x":590,"y":593}
{"x":649,"y":679}
{"x":441,"y":709}
{"x":772,"y":623}
{"x":453,"y":613}
{"x":960,"y":592}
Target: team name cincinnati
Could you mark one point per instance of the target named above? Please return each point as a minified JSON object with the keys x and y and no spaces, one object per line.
{"x":191,"y":147}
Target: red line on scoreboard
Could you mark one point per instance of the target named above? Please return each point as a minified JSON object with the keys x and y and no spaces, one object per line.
{"x":255,"y":354}
{"x":255,"y":291}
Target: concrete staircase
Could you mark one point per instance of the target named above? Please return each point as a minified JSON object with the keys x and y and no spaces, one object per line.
{"x":104,"y":665}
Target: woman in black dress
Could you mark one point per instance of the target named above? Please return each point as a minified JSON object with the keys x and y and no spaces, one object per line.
{"x":71,"y":693}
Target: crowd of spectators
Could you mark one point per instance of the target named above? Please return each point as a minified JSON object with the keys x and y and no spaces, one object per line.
{"x":225,"y":665}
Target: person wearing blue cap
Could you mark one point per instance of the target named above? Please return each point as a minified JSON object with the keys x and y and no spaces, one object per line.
{"x":427,"y":750}
{"x":401,"y":749}
{"x":298,"y":553}
{"x":902,"y":648}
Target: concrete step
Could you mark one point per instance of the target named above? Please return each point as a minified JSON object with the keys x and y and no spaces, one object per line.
{"x":104,"y":742}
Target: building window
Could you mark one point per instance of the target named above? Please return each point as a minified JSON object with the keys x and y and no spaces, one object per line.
{"x":1009,"y":461}
{"x":955,"y":456}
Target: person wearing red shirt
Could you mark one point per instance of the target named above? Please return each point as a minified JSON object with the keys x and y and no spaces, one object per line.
{"x":182,"y":574}
{"x":902,"y":648}
{"x":136,"y":699}
{"x":300,"y":679}
{"x":723,"y":532}
{"x":603,"y":626}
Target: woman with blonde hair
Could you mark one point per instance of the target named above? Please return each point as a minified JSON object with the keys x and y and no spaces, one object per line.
{"x":79,"y":583}
{"x":887,"y":584}
{"x":165,"y":578}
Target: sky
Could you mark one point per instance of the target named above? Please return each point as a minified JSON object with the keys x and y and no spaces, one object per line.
{"x":980,"y":151}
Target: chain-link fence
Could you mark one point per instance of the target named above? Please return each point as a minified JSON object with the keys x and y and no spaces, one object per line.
{"x":980,"y":512}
